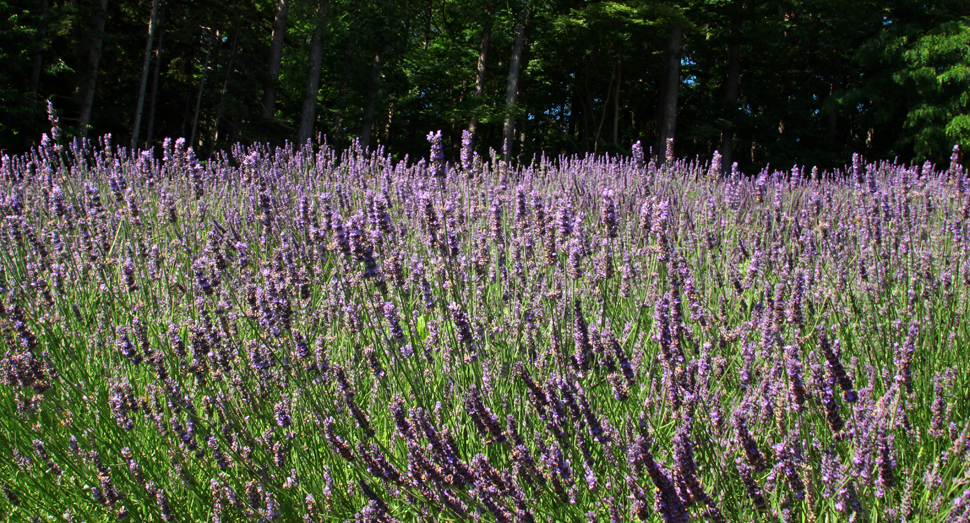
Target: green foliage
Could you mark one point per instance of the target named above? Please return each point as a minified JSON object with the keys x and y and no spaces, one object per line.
{"x":938,"y":70}
{"x":817,"y":79}
{"x":16,"y":27}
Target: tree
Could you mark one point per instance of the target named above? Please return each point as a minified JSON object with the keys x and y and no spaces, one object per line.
{"x":482,"y":64}
{"x":512,"y":88}
{"x":309,"y":112}
{"x":667,"y":111}
{"x":937,"y":72}
{"x":38,"y":57}
{"x":731,"y":84}
{"x":348,"y":65}
{"x":89,"y":78}
{"x":275,"y":55}
{"x":155,"y":75}
{"x":144,"y":73}
{"x":763,"y":81}
{"x":367,"y":126}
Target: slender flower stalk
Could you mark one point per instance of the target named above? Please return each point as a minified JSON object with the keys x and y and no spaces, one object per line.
{"x":286,"y":334}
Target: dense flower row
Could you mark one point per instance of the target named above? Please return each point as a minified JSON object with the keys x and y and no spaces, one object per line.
{"x":296,"y":334}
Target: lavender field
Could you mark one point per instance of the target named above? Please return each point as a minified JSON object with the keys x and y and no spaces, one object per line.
{"x":302,"y":336}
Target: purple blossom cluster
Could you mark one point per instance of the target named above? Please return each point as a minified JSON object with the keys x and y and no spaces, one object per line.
{"x":296,"y":334}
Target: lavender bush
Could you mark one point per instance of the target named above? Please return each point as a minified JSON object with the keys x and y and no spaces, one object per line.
{"x":307,"y":336}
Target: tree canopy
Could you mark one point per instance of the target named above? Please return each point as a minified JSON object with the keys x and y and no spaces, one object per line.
{"x":781,"y":81}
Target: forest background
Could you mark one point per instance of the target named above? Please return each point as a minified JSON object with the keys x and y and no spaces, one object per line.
{"x":777,"y":82}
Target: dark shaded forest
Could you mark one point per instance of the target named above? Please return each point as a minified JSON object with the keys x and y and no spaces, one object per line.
{"x":764,"y":82}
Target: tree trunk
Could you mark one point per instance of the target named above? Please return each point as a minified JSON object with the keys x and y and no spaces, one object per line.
{"x":387,"y":124}
{"x":158,"y":68}
{"x":512,"y":88}
{"x":38,"y":54}
{"x":234,"y":129}
{"x":309,"y":113}
{"x":275,"y":57}
{"x":342,"y":93}
{"x":198,"y":100}
{"x":577,"y":116}
{"x":482,"y":64}
{"x":589,"y":106}
{"x":429,"y":12}
{"x":833,"y":116}
{"x":146,"y":65}
{"x":187,"y":71}
{"x":731,"y":96}
{"x":225,"y":86}
{"x":833,"y":126}
{"x":606,"y":110}
{"x":89,"y":81}
{"x":375,"y":87}
{"x":671,"y":86}
{"x":38,"y":66}
{"x":616,"y":102}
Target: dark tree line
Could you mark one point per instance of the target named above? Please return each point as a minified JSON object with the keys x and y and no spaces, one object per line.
{"x":763,"y":81}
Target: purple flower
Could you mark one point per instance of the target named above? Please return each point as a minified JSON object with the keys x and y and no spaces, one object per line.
{"x":793,"y":366}
{"x":56,"y":127}
{"x":466,"y":152}
{"x":584,"y":349}
{"x":281,"y":413}
{"x":904,"y":358}
{"x":463,"y":330}
{"x":834,"y":366}
{"x":485,"y":422}
{"x":753,"y":456}
{"x":886,"y":464}
{"x":667,"y":500}
{"x":751,"y":486}
{"x":393,"y":321}
{"x":437,"y":158}
{"x":715,"y":169}
{"x":609,"y":214}
{"x":638,"y":155}
{"x":336,"y":441}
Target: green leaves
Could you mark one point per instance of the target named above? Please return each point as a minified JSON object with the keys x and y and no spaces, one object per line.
{"x":926,"y":61}
{"x":938,"y":63}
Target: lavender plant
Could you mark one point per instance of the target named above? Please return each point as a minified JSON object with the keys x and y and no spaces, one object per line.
{"x":285,"y":335}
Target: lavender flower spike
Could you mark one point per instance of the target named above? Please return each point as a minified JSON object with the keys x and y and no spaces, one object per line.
{"x":437,"y":155}
{"x":466,"y":152}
